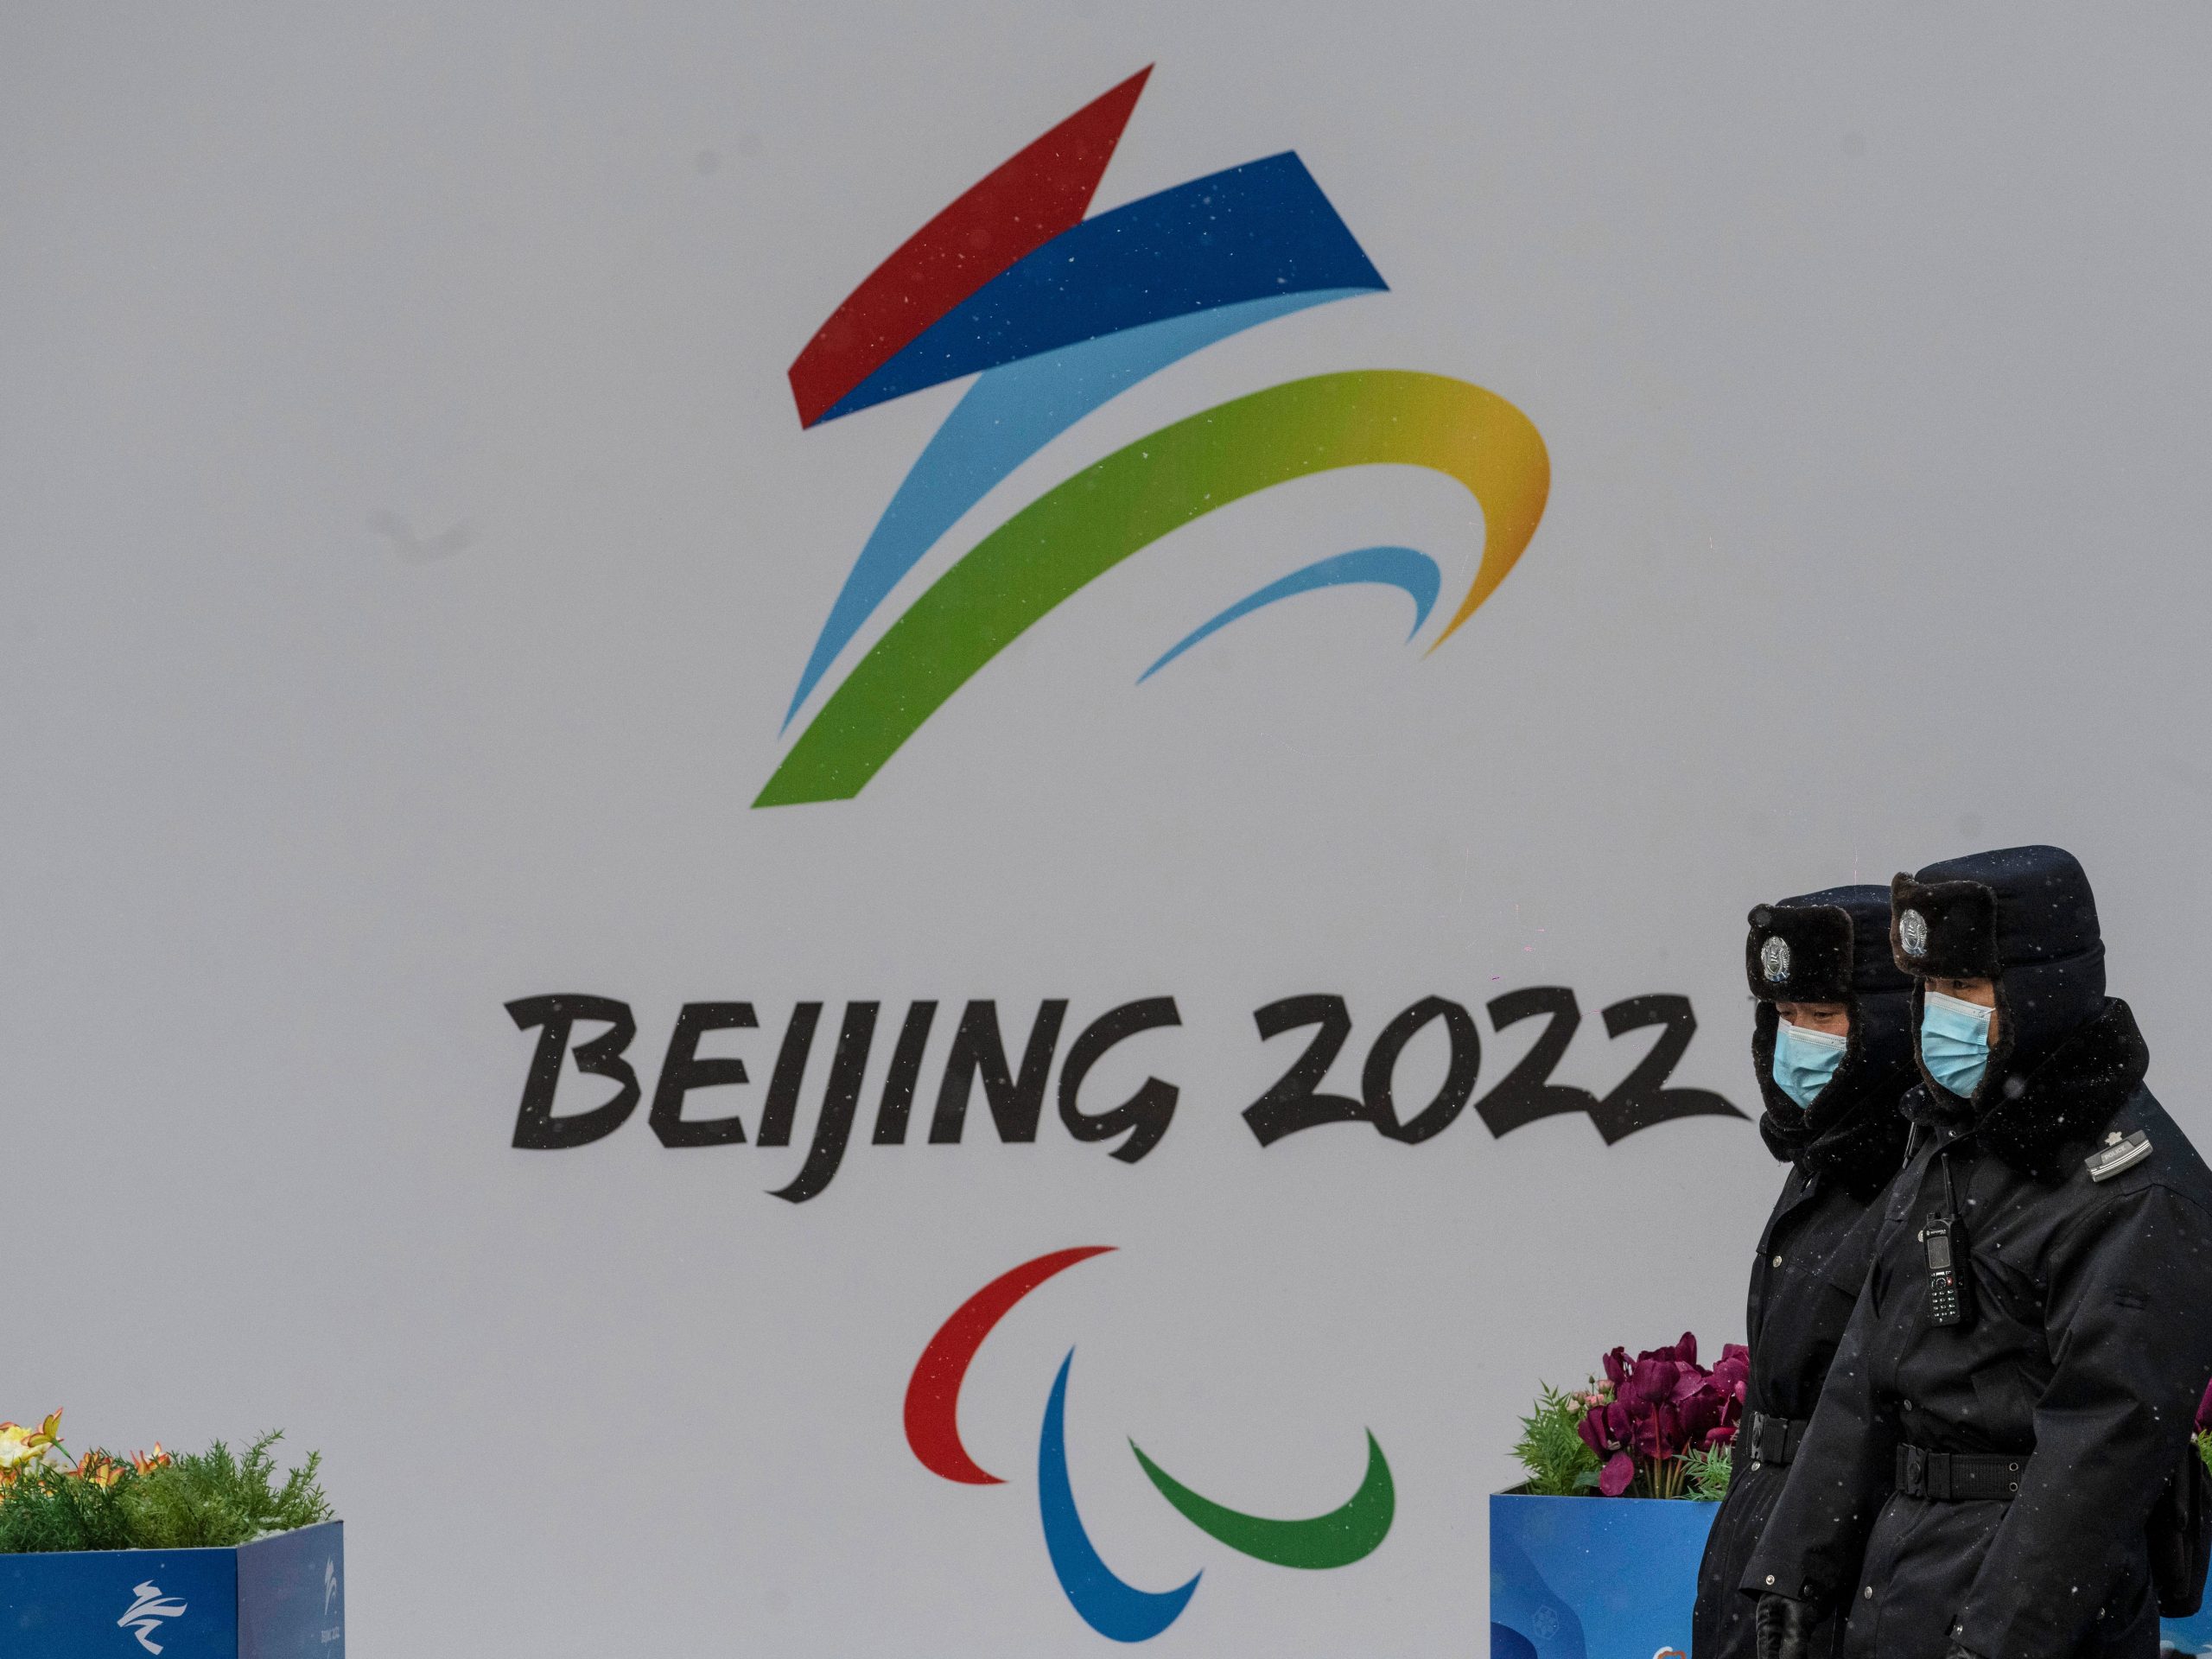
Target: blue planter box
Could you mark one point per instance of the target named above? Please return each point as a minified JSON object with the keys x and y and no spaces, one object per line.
{"x":1616,"y":1578}
{"x":280,"y":1598}
{"x":1593,"y":1578}
{"x":2190,"y":1635}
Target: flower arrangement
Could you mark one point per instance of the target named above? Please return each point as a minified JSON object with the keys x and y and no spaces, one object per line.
{"x":156,"y":1500}
{"x":25,"y":1451}
{"x":1657,"y":1426}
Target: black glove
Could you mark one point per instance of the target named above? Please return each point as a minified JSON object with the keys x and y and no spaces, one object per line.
{"x":1785,"y":1627}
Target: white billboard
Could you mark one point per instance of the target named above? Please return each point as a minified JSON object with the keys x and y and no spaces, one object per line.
{"x":609,"y":817}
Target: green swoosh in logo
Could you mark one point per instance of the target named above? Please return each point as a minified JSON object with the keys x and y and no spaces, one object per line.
{"x":1336,"y":1539}
{"x":1082,"y":528}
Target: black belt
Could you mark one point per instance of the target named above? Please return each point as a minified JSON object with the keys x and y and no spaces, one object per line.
{"x":1773,"y":1439}
{"x":1956,"y":1476}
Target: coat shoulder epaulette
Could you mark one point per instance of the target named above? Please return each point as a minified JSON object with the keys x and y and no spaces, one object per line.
{"x":2118,"y":1154}
{"x":2142,"y":1147}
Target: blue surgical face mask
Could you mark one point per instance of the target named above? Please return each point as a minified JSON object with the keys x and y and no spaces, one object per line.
{"x":1805,"y":1060}
{"x":1954,"y":1042}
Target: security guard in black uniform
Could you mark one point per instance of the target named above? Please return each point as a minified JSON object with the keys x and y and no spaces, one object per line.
{"x":1831,"y":1048}
{"x":2000,"y":1466}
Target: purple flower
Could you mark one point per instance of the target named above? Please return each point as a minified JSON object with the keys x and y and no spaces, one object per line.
{"x":1665,"y":1405}
{"x":2204,"y":1411}
{"x":1734,"y":1370}
{"x":1618,"y":1472}
{"x":1592,"y":1428}
{"x":1616,"y":1366}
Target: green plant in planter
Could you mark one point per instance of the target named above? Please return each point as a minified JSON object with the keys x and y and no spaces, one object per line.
{"x":216,"y":1500}
{"x":211,"y":1499}
{"x":1551,"y":1448}
{"x":1708,"y":1470}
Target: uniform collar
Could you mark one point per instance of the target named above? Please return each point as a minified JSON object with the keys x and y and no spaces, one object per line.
{"x":2037,"y":1118}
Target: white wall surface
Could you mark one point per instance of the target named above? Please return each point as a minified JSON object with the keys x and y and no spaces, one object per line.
{"x":1871,"y":351}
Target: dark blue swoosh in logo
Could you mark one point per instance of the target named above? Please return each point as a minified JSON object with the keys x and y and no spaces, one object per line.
{"x":1113,"y":1609}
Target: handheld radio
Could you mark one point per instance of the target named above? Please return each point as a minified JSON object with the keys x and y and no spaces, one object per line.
{"x":1950,"y":1282}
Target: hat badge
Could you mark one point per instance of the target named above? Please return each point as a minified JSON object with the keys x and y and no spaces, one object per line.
{"x":1912,"y":933}
{"x":1774,"y":960}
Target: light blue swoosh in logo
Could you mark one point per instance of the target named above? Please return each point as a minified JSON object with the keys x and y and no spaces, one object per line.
{"x":1113,"y":1609}
{"x":1391,"y":567}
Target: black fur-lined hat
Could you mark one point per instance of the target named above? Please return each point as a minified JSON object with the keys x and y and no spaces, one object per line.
{"x":2022,"y":916}
{"x":1830,"y":946}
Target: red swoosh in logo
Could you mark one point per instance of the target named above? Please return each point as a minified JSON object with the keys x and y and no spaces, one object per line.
{"x":933,"y":1391}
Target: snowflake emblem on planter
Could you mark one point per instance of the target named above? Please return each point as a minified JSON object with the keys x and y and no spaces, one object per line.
{"x":144,"y":1615}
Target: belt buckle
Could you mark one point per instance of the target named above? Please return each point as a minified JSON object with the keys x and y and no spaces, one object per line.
{"x":1939,"y":1474}
{"x":1916,"y":1473}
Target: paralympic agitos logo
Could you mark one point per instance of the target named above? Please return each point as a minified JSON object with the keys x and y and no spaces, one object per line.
{"x":1108,"y":1603}
{"x":1056,"y":314}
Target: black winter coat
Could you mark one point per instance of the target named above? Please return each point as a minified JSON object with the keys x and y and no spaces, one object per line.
{"x":1813,"y":1255}
{"x":1812,"y":1258}
{"x":2089,"y":1344}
